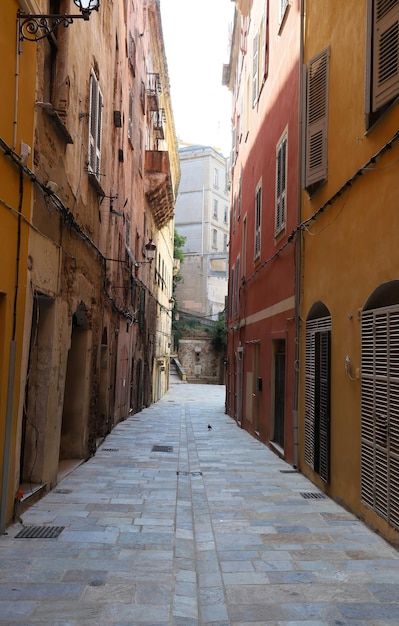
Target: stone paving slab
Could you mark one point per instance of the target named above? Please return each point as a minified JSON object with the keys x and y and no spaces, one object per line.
{"x":213,"y":532}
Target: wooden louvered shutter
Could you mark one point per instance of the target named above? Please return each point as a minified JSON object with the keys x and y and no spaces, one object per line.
{"x":317,"y":118}
{"x":92,"y":123}
{"x":322,"y":403}
{"x":255,"y":69}
{"x":317,"y":395}
{"x":281,"y":186}
{"x":385,"y":52}
{"x":380,"y":413}
{"x":309,"y":395}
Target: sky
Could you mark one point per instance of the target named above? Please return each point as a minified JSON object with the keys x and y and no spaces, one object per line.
{"x":196,"y":37}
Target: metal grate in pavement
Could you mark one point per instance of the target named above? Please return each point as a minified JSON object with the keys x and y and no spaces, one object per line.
{"x":289,"y":471}
{"x":110,"y":449}
{"x":181,"y":473}
{"x":63,"y":491}
{"x":313,"y":495}
{"x":162,"y":449}
{"x":40,"y":532}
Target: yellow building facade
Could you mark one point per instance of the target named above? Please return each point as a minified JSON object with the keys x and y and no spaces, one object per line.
{"x":349,"y":281}
{"x":16,"y":140}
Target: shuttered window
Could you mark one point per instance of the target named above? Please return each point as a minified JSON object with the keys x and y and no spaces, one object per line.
{"x":317,"y":118}
{"x":281,"y":185}
{"x":258,"y":219}
{"x":95,"y":126}
{"x":255,"y":69}
{"x":385,"y":65}
{"x":380,"y":412}
{"x":317,"y":396}
{"x":130,"y":119}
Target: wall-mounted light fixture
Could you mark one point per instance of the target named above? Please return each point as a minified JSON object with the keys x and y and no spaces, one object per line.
{"x":33,"y":27}
{"x":150,"y":250}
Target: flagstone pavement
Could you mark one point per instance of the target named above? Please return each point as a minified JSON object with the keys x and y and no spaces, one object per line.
{"x":173,"y":523}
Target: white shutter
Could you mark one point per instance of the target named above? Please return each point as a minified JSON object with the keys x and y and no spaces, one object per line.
{"x":385,"y":52}
{"x":95,"y":126}
{"x":255,"y":69}
{"x":92,"y":123}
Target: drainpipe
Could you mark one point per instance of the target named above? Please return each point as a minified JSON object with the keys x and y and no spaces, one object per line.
{"x":298,"y":243}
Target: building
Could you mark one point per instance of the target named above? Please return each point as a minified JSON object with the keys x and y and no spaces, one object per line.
{"x":16,"y":139}
{"x":104,"y":173}
{"x":202,"y":216}
{"x":349,"y":305}
{"x":264,"y":78}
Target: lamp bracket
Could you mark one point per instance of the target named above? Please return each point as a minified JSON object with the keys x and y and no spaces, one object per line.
{"x":33,"y":27}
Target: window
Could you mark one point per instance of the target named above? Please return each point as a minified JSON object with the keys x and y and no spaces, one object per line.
{"x":224,"y":243}
{"x":317,"y":119}
{"x":216,"y":178}
{"x":317,"y":393}
{"x":132,"y":54}
{"x":130,"y":119}
{"x":258,"y":217}
{"x":237,"y":287}
{"x":281,"y":185}
{"x":255,"y":68}
{"x":215,"y":209}
{"x":231,"y":289}
{"x":383,"y":56}
{"x":225,"y":213}
{"x":95,"y":126}
{"x":239,"y":197}
{"x":214,"y":238}
{"x":284,"y":4}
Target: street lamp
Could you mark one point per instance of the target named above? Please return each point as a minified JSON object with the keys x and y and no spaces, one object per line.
{"x":150,"y":249}
{"x":34,"y":27}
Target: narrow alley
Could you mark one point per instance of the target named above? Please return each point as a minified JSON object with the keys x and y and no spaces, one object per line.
{"x":177,"y":523}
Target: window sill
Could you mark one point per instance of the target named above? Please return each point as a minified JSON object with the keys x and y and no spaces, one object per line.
{"x":52,"y":114}
{"x":96,"y":184}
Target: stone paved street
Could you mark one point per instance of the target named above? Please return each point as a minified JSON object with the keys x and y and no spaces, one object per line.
{"x":212,"y":528}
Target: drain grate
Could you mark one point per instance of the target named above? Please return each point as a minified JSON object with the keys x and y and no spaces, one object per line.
{"x":40,"y":532}
{"x":63,"y":491}
{"x":110,"y":449}
{"x":162,"y":449}
{"x":179,"y":473}
{"x":290,"y":471}
{"x":313,"y":495}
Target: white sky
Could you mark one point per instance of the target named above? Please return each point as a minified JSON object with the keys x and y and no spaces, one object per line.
{"x":196,"y":36}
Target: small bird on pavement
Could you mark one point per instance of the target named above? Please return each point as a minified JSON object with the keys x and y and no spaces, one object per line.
{"x":209,"y":427}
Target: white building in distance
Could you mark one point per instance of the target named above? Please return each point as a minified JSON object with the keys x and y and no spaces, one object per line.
{"x":202,"y":215}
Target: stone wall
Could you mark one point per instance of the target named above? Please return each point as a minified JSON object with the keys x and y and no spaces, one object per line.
{"x":199,"y":359}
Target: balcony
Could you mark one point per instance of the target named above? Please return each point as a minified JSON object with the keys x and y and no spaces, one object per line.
{"x":153,"y":91}
{"x":158,"y":186}
{"x":158,"y":123}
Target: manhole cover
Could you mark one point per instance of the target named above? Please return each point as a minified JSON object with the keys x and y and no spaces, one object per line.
{"x":162,"y":449}
{"x":40,"y":532}
{"x":313,"y":495}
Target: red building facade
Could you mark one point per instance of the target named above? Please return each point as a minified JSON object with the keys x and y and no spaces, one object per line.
{"x":264,"y":77}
